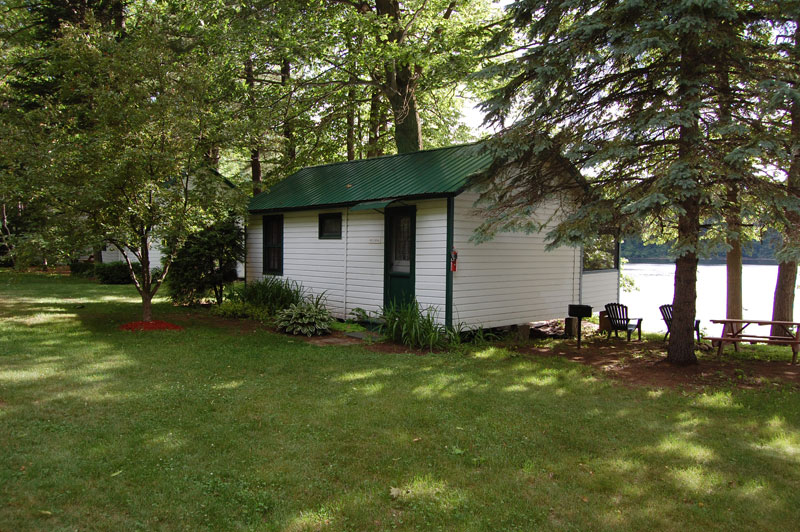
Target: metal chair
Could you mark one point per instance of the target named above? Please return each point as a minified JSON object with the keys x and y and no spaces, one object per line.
{"x":618,"y":316}
{"x":666,"y":314}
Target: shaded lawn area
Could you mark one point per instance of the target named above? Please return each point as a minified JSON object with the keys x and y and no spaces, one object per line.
{"x":229,"y":427}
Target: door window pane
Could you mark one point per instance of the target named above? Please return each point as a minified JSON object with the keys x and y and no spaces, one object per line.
{"x":401,"y":244}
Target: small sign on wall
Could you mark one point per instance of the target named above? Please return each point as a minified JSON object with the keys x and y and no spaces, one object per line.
{"x":376,"y":240}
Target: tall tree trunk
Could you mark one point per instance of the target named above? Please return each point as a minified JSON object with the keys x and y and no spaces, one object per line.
{"x":401,"y":83}
{"x":351,"y":120}
{"x":733,"y":215}
{"x":147,"y":307}
{"x":733,"y":262}
{"x":118,"y":16}
{"x":407,"y":127}
{"x":146,"y":292}
{"x":783,"y":303}
{"x":288,"y":127}
{"x":375,"y":122}
{"x":5,"y":238}
{"x":681,"y":342}
{"x":255,"y":153}
{"x":255,"y":171}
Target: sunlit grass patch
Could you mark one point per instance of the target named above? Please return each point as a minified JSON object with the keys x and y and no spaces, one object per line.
{"x":682,"y":447}
{"x":312,"y":520}
{"x":724,"y":399}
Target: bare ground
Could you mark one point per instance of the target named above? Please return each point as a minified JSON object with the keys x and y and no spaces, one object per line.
{"x":643,"y":364}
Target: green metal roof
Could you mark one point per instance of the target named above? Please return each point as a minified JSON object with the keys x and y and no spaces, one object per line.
{"x":429,"y":173}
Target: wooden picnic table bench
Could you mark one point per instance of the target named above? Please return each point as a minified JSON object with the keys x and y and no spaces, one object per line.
{"x":734,"y":332}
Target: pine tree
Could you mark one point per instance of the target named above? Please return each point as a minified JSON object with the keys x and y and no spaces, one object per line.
{"x":618,"y":108}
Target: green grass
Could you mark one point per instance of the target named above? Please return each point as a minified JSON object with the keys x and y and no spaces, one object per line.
{"x":223,"y":427}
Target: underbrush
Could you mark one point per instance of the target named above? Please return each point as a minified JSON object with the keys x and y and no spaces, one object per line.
{"x":280,"y":302}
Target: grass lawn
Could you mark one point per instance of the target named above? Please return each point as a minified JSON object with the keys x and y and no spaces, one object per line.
{"x":224,"y":427}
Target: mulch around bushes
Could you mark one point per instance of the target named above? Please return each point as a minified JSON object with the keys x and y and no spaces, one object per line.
{"x":643,"y":364}
{"x":154,"y":325}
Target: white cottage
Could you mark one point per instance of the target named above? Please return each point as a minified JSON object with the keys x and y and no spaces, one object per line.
{"x":386,"y":229}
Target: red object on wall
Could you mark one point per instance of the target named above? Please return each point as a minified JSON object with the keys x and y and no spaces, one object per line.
{"x":453,"y":260}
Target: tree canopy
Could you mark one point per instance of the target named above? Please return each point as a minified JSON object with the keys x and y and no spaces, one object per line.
{"x":637,"y":116}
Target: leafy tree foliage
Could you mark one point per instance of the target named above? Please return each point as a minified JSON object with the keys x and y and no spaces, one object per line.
{"x":121,"y":145}
{"x":206,"y":262}
{"x":615,"y":108}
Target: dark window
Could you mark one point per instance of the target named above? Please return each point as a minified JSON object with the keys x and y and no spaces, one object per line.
{"x":273,"y":245}
{"x":330,"y":225}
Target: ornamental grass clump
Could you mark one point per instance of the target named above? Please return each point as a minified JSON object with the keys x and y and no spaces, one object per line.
{"x":309,"y":318}
{"x":410,"y":325}
{"x":272,"y":294}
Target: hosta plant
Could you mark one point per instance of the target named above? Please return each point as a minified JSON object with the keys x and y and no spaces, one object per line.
{"x":309,"y":318}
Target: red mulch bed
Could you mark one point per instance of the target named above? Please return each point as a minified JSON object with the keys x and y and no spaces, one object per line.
{"x":155,"y":325}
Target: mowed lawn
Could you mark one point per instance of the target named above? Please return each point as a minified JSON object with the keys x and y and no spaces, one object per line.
{"x":222,"y":427}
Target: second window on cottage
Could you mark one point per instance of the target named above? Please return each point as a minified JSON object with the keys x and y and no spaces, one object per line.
{"x":273,"y":245}
{"x":330,"y":225}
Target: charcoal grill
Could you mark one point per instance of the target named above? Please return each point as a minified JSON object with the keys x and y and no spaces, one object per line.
{"x":580,"y":312}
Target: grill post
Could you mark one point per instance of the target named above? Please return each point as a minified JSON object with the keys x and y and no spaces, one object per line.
{"x":580,"y":312}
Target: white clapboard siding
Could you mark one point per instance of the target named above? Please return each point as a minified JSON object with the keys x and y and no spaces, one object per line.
{"x":254,"y":243}
{"x":350,"y":271}
{"x":364,"y":261}
{"x":510,"y":279}
{"x":599,"y":288}
{"x":317,"y":264}
{"x":112,"y":254}
{"x":431,"y":255}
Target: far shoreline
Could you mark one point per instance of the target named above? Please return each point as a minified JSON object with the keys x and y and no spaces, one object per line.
{"x":765,"y":262}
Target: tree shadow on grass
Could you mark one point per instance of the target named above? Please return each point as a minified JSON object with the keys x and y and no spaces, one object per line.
{"x":209,"y":429}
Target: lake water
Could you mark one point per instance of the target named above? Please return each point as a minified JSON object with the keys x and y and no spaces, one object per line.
{"x":655,"y":283}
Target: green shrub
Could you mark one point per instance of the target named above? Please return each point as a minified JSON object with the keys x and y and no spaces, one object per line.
{"x":309,"y":318}
{"x":410,"y":325}
{"x":206,"y":263}
{"x":115,"y":272}
{"x":81,"y":269}
{"x":271,"y":293}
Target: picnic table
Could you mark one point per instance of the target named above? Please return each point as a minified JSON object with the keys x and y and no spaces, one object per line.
{"x":735,"y":331}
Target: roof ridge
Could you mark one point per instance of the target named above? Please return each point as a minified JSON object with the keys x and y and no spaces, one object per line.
{"x":336,"y":163}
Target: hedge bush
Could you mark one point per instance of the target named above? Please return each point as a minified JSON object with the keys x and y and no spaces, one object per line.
{"x":115,"y":272}
{"x":207,"y":263}
{"x":81,"y":269}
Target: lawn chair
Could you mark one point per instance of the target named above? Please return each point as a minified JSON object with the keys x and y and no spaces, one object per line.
{"x":666,"y":314}
{"x":618,"y":316}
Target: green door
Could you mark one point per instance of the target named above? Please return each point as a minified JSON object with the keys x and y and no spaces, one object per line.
{"x":399,"y":255}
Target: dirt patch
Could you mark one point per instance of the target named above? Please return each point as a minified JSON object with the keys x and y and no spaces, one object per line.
{"x":333,"y":340}
{"x":207,"y":319}
{"x":154,"y":325}
{"x":642,"y":364}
